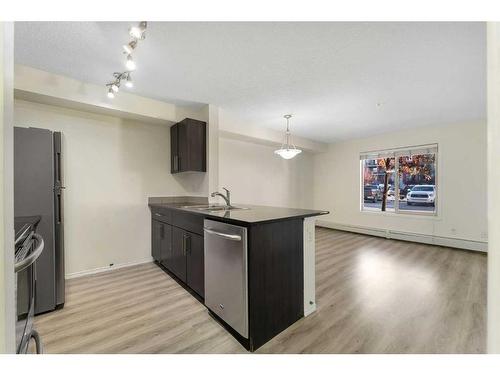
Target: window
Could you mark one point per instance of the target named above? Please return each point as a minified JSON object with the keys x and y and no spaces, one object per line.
{"x":400,"y":180}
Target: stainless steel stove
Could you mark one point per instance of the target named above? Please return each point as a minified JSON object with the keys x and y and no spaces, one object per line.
{"x":28,"y":247}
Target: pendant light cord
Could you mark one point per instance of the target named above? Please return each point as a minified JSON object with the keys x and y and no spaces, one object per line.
{"x":287,"y":134}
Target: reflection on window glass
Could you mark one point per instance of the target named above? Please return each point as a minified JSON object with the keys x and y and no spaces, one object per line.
{"x":417,"y":183}
{"x":378,"y":184}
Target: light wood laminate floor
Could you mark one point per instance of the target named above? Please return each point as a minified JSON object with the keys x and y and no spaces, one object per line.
{"x":373,"y":295}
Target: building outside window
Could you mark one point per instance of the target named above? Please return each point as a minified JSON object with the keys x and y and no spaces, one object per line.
{"x":402,"y":180}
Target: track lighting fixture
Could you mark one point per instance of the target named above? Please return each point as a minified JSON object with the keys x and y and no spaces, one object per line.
{"x":137,"y":33}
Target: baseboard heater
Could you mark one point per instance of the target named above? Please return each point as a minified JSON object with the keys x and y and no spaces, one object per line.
{"x":408,"y":236}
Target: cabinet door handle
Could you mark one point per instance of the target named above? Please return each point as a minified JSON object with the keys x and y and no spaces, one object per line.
{"x":186,"y":244}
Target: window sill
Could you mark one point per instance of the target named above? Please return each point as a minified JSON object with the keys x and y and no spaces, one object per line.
{"x":412,"y":215}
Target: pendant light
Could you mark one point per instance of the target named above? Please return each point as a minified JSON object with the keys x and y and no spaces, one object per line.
{"x":288,"y":149}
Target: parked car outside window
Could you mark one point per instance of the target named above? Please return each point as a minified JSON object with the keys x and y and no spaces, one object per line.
{"x":422,"y":194}
{"x":403,"y":192}
{"x":390,"y":189}
{"x":370,"y":194}
{"x":375,"y":192}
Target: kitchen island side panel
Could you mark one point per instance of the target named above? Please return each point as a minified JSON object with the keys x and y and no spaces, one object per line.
{"x":275,"y":278}
{"x":309,"y":265}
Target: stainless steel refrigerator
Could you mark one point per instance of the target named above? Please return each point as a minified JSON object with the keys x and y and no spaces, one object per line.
{"x":38,"y":192}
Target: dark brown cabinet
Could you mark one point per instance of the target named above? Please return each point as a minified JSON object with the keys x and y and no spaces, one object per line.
{"x":187,"y":259}
{"x":177,"y":263}
{"x":156,"y":228}
{"x":165,"y":244}
{"x":188,"y":145}
{"x":178,"y":249}
{"x":161,"y":237}
{"x":195,"y":264}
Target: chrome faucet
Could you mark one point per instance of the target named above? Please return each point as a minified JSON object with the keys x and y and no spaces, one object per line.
{"x":226,"y":197}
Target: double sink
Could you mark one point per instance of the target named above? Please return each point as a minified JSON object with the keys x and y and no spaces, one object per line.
{"x":214,"y":208}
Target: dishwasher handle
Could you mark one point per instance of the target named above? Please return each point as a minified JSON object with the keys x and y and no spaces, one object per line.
{"x":232,"y":237}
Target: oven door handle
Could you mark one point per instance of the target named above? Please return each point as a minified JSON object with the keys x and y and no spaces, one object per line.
{"x":30,"y":259}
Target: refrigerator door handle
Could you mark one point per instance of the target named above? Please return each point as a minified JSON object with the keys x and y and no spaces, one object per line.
{"x":58,"y":208}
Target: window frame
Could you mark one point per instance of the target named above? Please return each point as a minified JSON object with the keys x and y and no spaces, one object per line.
{"x":396,"y":154}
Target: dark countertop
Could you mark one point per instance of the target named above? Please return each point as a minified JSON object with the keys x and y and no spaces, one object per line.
{"x":255,"y":214}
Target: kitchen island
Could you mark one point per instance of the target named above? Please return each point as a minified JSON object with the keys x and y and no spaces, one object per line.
{"x":277,"y":263}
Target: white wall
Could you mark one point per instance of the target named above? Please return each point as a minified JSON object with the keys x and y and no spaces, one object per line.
{"x":230,"y":125}
{"x":255,"y":175}
{"x":48,"y":88}
{"x":493,"y":190}
{"x":461,"y":182}
{"x":111,"y":167}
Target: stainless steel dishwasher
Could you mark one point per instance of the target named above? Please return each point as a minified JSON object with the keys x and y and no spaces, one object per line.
{"x":226,"y":285}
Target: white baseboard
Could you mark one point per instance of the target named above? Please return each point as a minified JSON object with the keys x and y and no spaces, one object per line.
{"x":407,"y":236}
{"x":105,"y":269}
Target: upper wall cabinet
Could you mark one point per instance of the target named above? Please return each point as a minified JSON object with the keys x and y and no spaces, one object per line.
{"x":188,"y":141}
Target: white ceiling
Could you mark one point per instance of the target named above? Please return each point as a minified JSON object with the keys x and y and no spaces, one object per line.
{"x":340,"y":80}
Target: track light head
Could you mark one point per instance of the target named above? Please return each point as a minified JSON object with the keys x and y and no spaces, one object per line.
{"x":130,"y":63}
{"x":138,"y":32}
{"x":129,"y":47}
{"x":129,"y":82}
{"x":111,"y":94}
